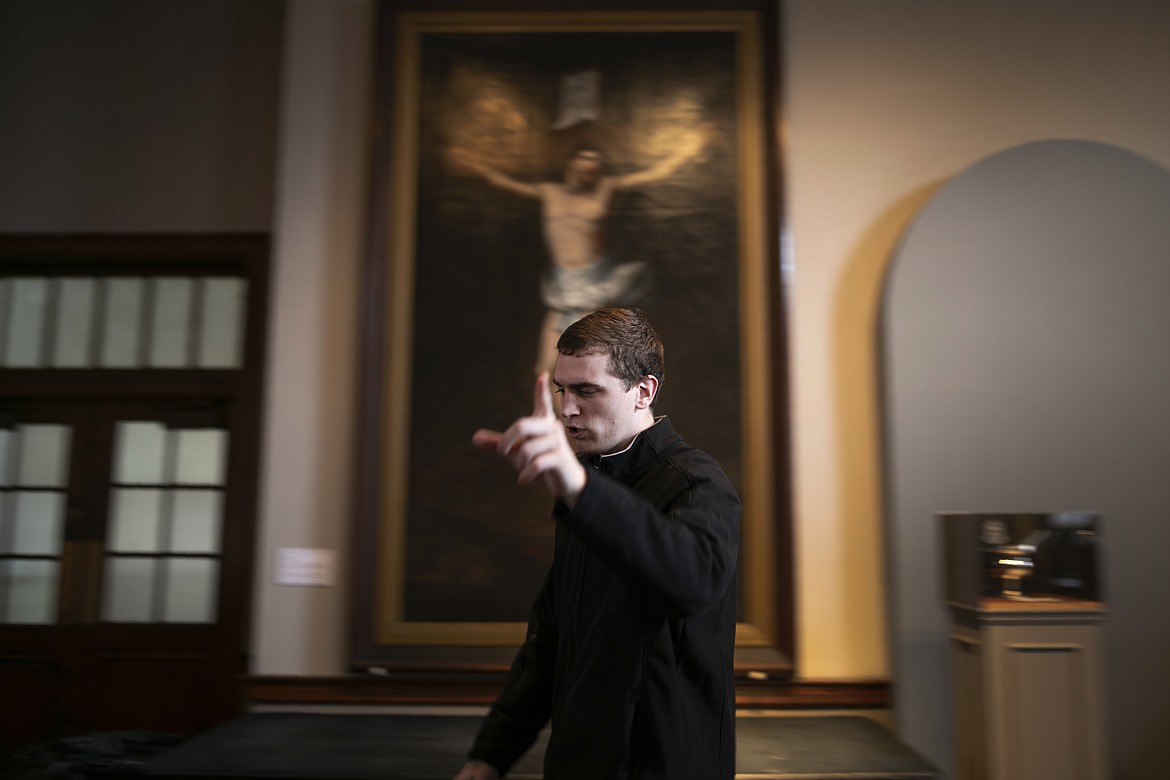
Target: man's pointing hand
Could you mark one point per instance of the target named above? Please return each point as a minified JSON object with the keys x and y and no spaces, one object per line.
{"x":537,"y":446}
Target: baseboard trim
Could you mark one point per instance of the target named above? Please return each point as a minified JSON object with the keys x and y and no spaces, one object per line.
{"x":798,"y":694}
{"x":469,"y":689}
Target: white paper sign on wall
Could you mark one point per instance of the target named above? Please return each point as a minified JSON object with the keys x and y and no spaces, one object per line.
{"x":306,"y":566}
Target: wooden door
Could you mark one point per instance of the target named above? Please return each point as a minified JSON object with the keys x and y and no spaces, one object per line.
{"x":118,"y":541}
{"x":129,"y":395}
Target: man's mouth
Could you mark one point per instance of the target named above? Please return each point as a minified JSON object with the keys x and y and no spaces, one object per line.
{"x":574,"y":432}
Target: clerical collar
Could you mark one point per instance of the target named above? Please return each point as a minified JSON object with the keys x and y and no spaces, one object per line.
{"x":633,"y":441}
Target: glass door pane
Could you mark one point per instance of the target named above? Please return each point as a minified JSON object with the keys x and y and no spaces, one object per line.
{"x":34,"y":479}
{"x":163,"y":545}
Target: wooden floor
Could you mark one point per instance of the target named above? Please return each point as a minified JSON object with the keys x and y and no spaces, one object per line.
{"x":297,"y":746}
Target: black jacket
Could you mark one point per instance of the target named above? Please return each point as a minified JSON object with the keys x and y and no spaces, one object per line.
{"x":630,"y":640}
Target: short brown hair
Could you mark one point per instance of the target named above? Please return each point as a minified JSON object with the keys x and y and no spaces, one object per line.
{"x":625,"y":335}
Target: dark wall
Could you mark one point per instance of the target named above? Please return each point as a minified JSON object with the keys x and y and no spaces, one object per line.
{"x":138,"y":115}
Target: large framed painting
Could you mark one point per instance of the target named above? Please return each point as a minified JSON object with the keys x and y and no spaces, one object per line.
{"x":532,"y":167}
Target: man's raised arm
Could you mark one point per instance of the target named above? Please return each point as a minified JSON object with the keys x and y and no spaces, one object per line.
{"x":691,"y":143}
{"x":469,"y":162}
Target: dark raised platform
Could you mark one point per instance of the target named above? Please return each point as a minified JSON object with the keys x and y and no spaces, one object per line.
{"x":295,"y":746}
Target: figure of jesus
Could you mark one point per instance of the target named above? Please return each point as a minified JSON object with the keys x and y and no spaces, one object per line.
{"x":581,"y":278}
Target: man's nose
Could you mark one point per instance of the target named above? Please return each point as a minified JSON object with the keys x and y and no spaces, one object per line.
{"x":568,"y":406}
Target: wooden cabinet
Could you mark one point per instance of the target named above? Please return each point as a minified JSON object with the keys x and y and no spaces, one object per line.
{"x":1029,"y":695}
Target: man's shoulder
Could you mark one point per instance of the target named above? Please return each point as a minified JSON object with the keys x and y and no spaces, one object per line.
{"x":670,"y":448}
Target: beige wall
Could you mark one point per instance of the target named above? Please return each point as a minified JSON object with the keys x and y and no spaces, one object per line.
{"x":884,"y":102}
{"x":323,"y":157}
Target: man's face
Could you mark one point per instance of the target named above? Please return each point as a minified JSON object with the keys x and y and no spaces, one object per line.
{"x":599,"y":414}
{"x":585,"y":168}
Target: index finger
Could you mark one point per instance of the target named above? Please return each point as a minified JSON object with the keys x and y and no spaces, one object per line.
{"x":542,"y":403}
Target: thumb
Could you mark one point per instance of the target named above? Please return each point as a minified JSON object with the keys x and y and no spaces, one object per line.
{"x":486,"y":440}
{"x":542,"y":403}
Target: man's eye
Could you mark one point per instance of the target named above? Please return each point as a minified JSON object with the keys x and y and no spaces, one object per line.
{"x":559,"y":390}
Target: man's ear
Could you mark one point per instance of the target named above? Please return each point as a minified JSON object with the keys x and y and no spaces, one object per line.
{"x":647,"y":392}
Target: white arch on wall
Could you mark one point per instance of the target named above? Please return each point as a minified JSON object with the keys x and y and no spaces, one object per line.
{"x":1025,"y":353}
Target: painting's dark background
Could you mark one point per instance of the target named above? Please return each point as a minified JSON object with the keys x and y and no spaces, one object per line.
{"x":478,"y":545}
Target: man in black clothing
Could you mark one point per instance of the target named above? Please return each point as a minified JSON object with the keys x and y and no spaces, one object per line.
{"x":631,"y":637}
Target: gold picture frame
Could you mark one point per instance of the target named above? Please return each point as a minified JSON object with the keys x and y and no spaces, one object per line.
{"x":450,"y":551}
